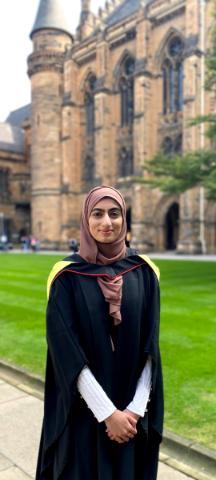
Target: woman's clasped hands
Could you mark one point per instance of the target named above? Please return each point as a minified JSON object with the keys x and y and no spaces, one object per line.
{"x":121,"y":426}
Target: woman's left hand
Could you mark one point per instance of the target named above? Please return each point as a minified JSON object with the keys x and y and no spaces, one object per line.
{"x":133,"y":415}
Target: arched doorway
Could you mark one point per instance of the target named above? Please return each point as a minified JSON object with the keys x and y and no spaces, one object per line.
{"x":172,"y":227}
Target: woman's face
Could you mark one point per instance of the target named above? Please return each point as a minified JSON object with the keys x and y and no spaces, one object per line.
{"x":105,"y":221}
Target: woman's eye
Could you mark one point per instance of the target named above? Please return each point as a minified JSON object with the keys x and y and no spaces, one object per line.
{"x":97,"y":214}
{"x":115,"y":214}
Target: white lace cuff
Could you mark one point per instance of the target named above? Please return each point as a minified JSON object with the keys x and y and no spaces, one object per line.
{"x":94,"y":395}
{"x":141,"y":397}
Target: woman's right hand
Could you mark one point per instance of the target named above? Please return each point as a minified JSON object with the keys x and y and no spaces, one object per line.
{"x":121,"y":427}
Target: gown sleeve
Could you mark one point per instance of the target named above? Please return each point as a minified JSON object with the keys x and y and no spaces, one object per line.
{"x":65,"y":360}
{"x":66,"y":353}
{"x":153,"y":420}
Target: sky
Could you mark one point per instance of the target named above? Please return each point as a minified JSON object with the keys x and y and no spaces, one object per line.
{"x":16,"y":21}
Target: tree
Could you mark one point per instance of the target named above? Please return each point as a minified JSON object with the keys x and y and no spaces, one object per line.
{"x":176,"y":173}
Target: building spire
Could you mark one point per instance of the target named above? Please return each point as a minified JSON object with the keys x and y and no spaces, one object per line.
{"x":51,"y":15}
{"x":86,"y":23}
{"x":86,"y":5}
{"x":85,"y":11}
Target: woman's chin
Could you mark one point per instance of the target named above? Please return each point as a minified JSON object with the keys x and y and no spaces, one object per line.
{"x":105,"y":240}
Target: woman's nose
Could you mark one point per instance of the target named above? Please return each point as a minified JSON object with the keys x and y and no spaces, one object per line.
{"x":107,"y":219}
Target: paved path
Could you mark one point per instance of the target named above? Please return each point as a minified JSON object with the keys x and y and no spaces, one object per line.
{"x":20,"y":420}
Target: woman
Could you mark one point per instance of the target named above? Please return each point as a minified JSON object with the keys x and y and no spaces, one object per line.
{"x":103,"y":360}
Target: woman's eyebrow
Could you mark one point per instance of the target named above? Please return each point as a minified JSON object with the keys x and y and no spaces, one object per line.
{"x":115,"y":208}
{"x":97,"y":210}
{"x":103,"y":209}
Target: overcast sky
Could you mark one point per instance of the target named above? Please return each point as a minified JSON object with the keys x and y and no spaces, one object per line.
{"x":16,"y":20}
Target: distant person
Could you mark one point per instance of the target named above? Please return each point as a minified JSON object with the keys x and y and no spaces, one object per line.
{"x":103,"y":408}
{"x":73,"y":245}
{"x":25,"y":243}
{"x":33,"y":242}
{"x":4,"y":241}
{"x":37,"y":245}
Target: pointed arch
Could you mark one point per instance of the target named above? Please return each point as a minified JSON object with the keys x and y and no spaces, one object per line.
{"x":162,"y":206}
{"x":124,"y":84}
{"x":89,"y":102}
{"x":123,"y":57}
{"x":87,"y":73}
{"x":171,"y":32}
{"x":166,"y":216}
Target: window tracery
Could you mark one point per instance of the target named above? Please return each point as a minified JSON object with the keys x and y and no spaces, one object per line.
{"x":172,"y":74}
{"x":167,"y":146}
{"x":178,"y":144}
{"x":4,"y":184}
{"x":172,"y":145}
{"x":88,"y":170}
{"x":89,"y":102}
{"x":125,"y":162}
{"x":126,"y":86}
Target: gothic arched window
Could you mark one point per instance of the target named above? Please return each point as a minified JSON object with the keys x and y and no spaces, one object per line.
{"x":124,"y":101}
{"x":178,"y":144}
{"x":172,"y":88}
{"x":167,"y":146}
{"x":171,"y":146}
{"x":125,"y":162}
{"x":126,"y":86}
{"x":90,"y":86}
{"x":172,"y":74}
{"x":88,"y":170}
{"x":4,"y":183}
{"x":165,"y":85}
{"x":179,"y":86}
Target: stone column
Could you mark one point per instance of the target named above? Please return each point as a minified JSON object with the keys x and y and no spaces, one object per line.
{"x":45,"y":68}
{"x":103,"y":155}
{"x":190,"y":216}
{"x":142,"y":225}
{"x":71,"y":164}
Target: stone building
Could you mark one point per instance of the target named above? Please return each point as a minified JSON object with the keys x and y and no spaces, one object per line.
{"x":15,"y":175}
{"x":106,"y":99}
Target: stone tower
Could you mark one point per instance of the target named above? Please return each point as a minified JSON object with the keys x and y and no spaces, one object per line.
{"x":52,"y":38}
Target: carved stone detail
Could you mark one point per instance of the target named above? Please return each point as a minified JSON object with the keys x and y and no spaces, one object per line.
{"x":129,"y":35}
{"x":43,"y":61}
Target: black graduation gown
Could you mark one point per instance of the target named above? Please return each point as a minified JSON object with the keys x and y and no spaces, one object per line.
{"x":74,"y":446}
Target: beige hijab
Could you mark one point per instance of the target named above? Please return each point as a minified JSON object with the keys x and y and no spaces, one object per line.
{"x":104,"y":254}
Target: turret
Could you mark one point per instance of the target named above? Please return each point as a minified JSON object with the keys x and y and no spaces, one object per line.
{"x":51,"y":15}
{"x":52,"y":37}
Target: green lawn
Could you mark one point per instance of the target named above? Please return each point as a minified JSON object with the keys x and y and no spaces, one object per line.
{"x":188,"y":334}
